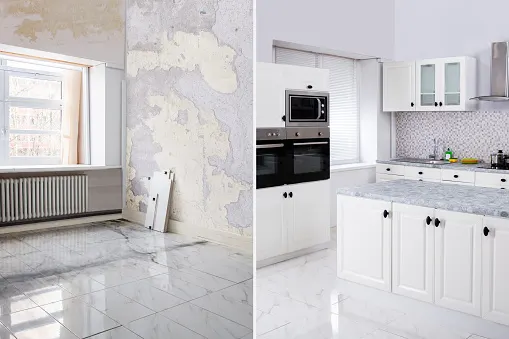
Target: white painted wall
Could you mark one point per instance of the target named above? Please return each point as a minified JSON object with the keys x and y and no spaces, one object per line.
{"x":106,"y":115}
{"x":444,"y":28}
{"x":353,"y":26}
{"x":345,"y":178}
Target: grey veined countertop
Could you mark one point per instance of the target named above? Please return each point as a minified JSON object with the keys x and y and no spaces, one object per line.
{"x":457,"y":198}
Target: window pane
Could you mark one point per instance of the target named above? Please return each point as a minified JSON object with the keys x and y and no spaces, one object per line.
{"x":34,"y":119}
{"x":34,"y":145}
{"x":21,"y":87}
{"x":36,"y":67}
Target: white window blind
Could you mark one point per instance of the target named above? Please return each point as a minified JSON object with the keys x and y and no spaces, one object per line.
{"x":344,"y":103}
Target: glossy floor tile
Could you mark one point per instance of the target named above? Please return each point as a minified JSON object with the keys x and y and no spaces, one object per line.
{"x":117,"y":280}
{"x":303,"y":298}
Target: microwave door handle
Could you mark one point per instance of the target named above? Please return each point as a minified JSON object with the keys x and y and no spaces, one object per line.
{"x":319,"y":108}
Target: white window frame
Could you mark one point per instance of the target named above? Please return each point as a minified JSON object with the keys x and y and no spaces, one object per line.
{"x":319,"y":64}
{"x":6,"y":102}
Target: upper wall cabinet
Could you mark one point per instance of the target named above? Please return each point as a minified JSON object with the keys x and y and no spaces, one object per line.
{"x":445,"y":84}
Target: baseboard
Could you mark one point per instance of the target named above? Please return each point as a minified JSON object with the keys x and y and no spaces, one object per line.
{"x":46,"y":225}
{"x":288,"y":256}
{"x":244,"y":244}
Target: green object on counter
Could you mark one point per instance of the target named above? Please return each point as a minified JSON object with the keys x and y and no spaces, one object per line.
{"x":448,"y":154}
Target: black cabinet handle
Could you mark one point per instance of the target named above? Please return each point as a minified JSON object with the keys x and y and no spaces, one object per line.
{"x":412,"y":104}
{"x":486,"y":230}
{"x":437,"y":222}
{"x":283,"y":118}
{"x":503,"y":180}
{"x":436,"y":104}
{"x":456,"y":176}
{"x":420,"y":173}
{"x":440,"y":103}
{"x":285,"y":195}
{"x":428,"y":220}
{"x":386,"y":214}
{"x":388,"y":169}
{"x":310,"y":87}
{"x":291,"y":194}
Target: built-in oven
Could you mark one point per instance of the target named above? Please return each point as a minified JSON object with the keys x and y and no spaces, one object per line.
{"x":308,"y":154}
{"x":307,"y":109}
{"x":271,"y":157}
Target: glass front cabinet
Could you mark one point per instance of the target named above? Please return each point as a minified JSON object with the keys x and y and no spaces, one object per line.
{"x":445,"y":84}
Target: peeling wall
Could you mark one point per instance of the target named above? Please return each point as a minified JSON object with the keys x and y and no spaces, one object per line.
{"x":189,"y":108}
{"x":92,"y":29}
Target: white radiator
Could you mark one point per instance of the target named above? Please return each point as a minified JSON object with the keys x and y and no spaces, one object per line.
{"x":42,"y":197}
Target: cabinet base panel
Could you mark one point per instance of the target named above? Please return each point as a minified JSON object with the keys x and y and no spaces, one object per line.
{"x":288,"y":256}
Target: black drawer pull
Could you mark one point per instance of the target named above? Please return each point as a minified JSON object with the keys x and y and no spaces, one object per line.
{"x":503,"y":180}
{"x":386,"y":214}
{"x":456,"y":176}
{"x":437,"y":222}
{"x":285,"y":195}
{"x":486,"y":230}
{"x":420,"y":173}
{"x":428,"y":220}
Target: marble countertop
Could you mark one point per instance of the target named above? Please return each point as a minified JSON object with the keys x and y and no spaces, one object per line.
{"x":450,"y":197}
{"x":482,"y":167}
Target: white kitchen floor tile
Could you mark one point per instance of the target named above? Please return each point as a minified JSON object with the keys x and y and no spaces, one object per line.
{"x":180,"y":288}
{"x":412,"y":328}
{"x":380,"y":334}
{"x":149,"y":296}
{"x":159,"y":327}
{"x":230,"y":303}
{"x":116,"y":306}
{"x":80,"y":318}
{"x":12,"y":300}
{"x":210,"y":282}
{"x":116,"y":333}
{"x":361,"y":309}
{"x":43,"y":290}
{"x":226,"y":268}
{"x":35,"y":324}
{"x":5,"y":333}
{"x":205,"y":323}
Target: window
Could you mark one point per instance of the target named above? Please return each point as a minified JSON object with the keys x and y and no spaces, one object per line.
{"x":344,"y":107}
{"x":31,"y":104}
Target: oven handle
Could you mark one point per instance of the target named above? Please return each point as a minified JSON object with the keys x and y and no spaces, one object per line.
{"x":270,"y":146}
{"x":319,"y":108}
{"x":311,"y":143}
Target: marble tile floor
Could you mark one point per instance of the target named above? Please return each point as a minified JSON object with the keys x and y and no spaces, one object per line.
{"x":117,"y":280}
{"x":302,"y":298}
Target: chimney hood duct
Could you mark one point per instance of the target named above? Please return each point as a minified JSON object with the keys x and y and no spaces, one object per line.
{"x":499,"y":73}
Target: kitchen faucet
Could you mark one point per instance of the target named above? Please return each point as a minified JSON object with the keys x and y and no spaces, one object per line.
{"x":435,"y":150}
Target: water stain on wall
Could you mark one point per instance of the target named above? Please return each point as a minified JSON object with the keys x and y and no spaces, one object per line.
{"x":83,"y":17}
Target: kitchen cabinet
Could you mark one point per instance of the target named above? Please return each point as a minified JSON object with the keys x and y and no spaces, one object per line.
{"x":458,"y":261}
{"x":272,"y":81}
{"x":422,"y":173}
{"x":495,"y":251}
{"x":492,"y":180}
{"x":381,"y":177}
{"x":270,"y":220}
{"x":458,"y":177}
{"x":364,"y":241}
{"x":445,"y":84}
{"x":413,"y":251}
{"x":398,"y":86}
{"x":291,"y":218}
{"x":309,"y":207}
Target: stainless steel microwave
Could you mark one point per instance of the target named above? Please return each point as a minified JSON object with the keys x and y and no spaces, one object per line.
{"x":307,"y":109}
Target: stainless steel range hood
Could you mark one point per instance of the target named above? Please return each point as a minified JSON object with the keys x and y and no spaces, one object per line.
{"x":499,"y":73}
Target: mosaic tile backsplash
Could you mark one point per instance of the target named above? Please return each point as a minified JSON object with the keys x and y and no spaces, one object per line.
{"x":468,"y":134}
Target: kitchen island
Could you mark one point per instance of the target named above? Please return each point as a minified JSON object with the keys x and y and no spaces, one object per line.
{"x":439,"y":243}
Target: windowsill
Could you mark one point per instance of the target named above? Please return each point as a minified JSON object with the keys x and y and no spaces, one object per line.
{"x":351,"y":167}
{"x":54,"y":168}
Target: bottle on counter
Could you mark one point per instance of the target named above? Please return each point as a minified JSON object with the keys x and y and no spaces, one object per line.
{"x":448,"y":154}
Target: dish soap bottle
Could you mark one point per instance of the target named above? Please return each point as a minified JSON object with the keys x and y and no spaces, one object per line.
{"x":448,"y":154}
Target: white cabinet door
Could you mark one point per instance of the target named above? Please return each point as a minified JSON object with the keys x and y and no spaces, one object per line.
{"x":380,"y":177}
{"x":398,"y":86}
{"x":364,"y":241}
{"x":311,"y":214}
{"x":271,"y":237}
{"x":413,"y":246}
{"x":427,"y":85}
{"x":452,"y":86}
{"x":458,"y":261}
{"x":495,"y":253}
{"x":270,"y":95}
{"x":302,"y":78}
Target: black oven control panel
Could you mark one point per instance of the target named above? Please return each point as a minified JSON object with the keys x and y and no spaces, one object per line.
{"x":271,"y":134}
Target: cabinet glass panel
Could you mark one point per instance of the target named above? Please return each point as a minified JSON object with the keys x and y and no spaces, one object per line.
{"x":427,"y":85}
{"x":452,"y":83}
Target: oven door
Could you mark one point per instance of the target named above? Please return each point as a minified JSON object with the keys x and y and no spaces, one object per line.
{"x":271,"y":157}
{"x":310,"y":160}
{"x":307,"y":109}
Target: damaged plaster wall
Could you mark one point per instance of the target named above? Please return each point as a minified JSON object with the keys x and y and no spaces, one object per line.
{"x":92,"y":29}
{"x":189,"y":108}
